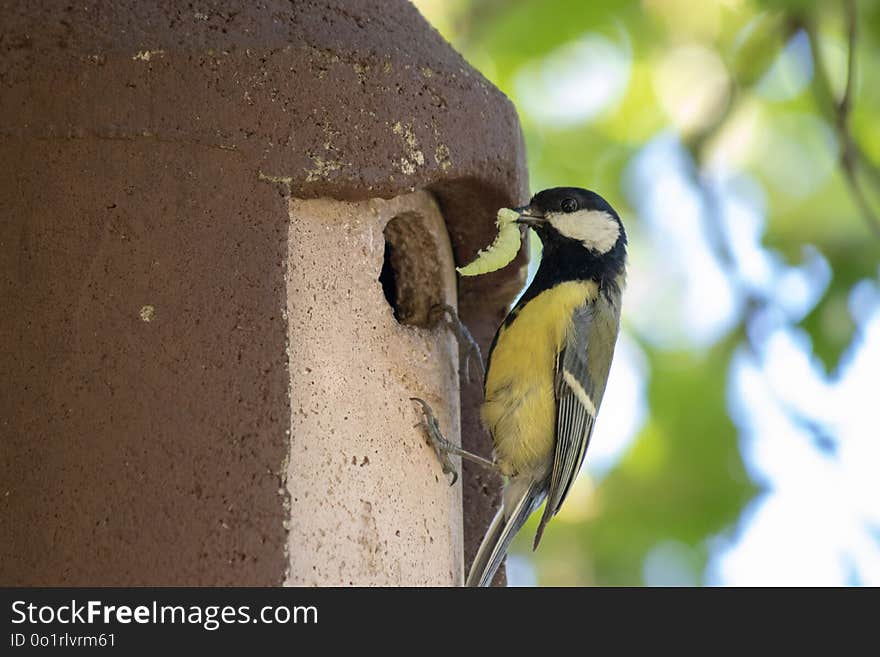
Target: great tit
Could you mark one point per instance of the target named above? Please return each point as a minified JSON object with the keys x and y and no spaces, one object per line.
{"x":548,"y":365}
{"x":549,"y":362}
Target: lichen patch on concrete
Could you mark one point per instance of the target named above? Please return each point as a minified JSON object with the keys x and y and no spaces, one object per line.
{"x":147,"y":55}
{"x":147,"y":313}
{"x":322,"y":169}
{"x":414,"y":156}
{"x":281,"y":180}
{"x":361,"y":71}
{"x":442,"y":157}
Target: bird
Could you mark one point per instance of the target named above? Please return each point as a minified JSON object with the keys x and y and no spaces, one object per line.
{"x":548,"y":365}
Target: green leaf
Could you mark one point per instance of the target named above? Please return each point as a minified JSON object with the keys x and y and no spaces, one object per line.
{"x":830,"y":325}
{"x":756,"y":46}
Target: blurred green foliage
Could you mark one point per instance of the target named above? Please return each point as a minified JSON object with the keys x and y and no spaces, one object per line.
{"x":752,"y":101}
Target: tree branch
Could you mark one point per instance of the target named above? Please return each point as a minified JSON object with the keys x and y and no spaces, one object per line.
{"x":838,"y":113}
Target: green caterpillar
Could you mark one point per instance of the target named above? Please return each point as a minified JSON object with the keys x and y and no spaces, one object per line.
{"x":502,"y":251}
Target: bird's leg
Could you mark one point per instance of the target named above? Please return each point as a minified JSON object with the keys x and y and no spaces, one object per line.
{"x":442,"y":447}
{"x":443,"y":313}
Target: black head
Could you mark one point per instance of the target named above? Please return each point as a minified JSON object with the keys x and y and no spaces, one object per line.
{"x":575,"y":215}
{"x":583,"y":239}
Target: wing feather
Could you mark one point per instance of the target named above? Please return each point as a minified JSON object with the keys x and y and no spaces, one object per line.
{"x":578,"y":395}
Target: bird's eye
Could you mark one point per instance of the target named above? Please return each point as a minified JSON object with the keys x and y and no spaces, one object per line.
{"x":569,"y":205}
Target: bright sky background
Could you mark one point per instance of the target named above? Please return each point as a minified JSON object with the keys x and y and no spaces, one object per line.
{"x":811,"y":442}
{"x":818,"y":523}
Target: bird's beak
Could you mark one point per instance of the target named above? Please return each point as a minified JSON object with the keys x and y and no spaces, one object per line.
{"x":530,"y":216}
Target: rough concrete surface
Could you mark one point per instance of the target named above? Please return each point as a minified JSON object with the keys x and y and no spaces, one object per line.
{"x":150,"y":149}
{"x":369,"y":503}
{"x":142,"y":368}
{"x":351,"y":100}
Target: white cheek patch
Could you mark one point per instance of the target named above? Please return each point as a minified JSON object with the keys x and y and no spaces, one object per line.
{"x":595,"y":229}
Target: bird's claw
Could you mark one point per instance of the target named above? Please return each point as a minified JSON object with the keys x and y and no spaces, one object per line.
{"x":443,"y":313}
{"x":437,"y":440}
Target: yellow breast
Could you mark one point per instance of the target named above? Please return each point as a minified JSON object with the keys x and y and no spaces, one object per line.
{"x":520,"y":406}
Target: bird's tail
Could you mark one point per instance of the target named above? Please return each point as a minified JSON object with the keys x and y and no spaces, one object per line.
{"x":520,"y":499}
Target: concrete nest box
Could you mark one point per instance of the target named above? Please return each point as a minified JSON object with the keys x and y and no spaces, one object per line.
{"x":222,"y":231}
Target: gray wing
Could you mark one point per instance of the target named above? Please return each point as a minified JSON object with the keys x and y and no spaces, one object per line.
{"x":581,"y":373}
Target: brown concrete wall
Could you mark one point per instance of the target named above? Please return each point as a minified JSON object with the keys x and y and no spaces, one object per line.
{"x":143,"y":384}
{"x":368,"y":501}
{"x":482,"y":305}
{"x":144,"y":374}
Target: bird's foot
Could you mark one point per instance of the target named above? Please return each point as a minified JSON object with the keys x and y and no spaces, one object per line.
{"x":443,"y":313}
{"x":443,"y":447}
